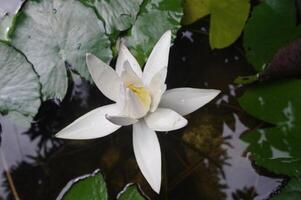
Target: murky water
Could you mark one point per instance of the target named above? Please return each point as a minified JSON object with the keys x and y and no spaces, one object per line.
{"x":205,"y":160}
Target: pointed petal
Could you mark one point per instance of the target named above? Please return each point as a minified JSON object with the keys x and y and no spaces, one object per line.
{"x":125,"y":55}
{"x":121,"y":120}
{"x":164,"y":119}
{"x":158,"y":58}
{"x":106,"y":79}
{"x":91,"y":125}
{"x":187,"y":100}
{"x":157,"y":87}
{"x":148,"y":154}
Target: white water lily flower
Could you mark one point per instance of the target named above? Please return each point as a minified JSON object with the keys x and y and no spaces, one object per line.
{"x":141,"y":100}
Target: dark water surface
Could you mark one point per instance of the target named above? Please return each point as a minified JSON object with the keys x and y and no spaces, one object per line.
{"x":205,"y":160}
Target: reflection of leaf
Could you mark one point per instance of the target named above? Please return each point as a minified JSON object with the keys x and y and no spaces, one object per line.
{"x":272,"y":25}
{"x":286,"y":62}
{"x":19,"y":85}
{"x":130,"y":193}
{"x":278,"y":148}
{"x":291,"y":192}
{"x":87,"y":187}
{"x":117,"y":15}
{"x":155,"y":17}
{"x":227,"y":18}
{"x":57,"y":34}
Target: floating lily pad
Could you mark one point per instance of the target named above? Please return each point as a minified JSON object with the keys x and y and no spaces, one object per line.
{"x":117,"y":15}
{"x":276,"y":148}
{"x":273,"y":24}
{"x":291,"y":192}
{"x":55,"y":36}
{"x":19,"y":86}
{"x":130,"y":193}
{"x":155,"y":17}
{"x":226,"y":22}
{"x":93,"y":187}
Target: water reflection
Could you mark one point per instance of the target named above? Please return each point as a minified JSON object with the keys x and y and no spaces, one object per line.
{"x":203,"y":161}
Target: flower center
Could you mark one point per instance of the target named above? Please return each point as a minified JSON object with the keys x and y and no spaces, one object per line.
{"x":142,"y":94}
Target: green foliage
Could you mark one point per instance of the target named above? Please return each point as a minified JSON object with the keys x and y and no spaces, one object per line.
{"x":276,"y":148}
{"x":227,"y":18}
{"x":55,"y":37}
{"x":155,"y":17}
{"x":291,"y":192}
{"x":272,"y":25}
{"x":117,"y":15}
{"x":19,"y":86}
{"x":93,"y":187}
{"x":130,"y":193}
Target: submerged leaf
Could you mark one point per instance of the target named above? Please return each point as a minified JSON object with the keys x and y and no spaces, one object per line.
{"x":277,"y":148}
{"x":19,"y":85}
{"x":227,"y":18}
{"x":272,"y":25}
{"x":55,"y":35}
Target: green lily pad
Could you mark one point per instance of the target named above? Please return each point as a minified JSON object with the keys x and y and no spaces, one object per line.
{"x":276,"y":148}
{"x":92,"y":187}
{"x":130,"y":193}
{"x":194,"y":10}
{"x":155,"y":17}
{"x":227,"y":19}
{"x":273,"y":24}
{"x":117,"y":15}
{"x":55,"y":36}
{"x":291,"y":192}
{"x":19,"y":86}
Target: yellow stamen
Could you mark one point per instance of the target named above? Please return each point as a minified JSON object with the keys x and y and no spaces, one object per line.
{"x":141,"y":93}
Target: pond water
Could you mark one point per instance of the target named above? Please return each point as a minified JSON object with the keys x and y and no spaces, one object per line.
{"x":205,"y":160}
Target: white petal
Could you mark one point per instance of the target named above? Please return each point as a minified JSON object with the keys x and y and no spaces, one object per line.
{"x":121,"y":120}
{"x":132,"y":106}
{"x":106,"y":79}
{"x":148,"y":154}
{"x":158,"y":58}
{"x":157,"y":87}
{"x":187,"y":100}
{"x":129,"y":76}
{"x":125,"y":55}
{"x":91,"y":125}
{"x":164,"y":119}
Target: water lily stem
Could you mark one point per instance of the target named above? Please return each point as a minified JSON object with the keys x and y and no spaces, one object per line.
{"x":9,"y":177}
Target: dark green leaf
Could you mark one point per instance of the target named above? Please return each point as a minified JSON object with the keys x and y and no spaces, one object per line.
{"x":291,"y":192}
{"x":130,"y":193}
{"x":19,"y":85}
{"x":90,"y":187}
{"x":55,"y":35}
{"x":278,"y":148}
{"x":272,"y":25}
